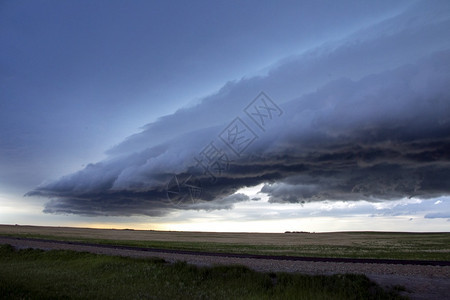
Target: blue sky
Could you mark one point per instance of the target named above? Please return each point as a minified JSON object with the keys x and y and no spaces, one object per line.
{"x":103,"y":104}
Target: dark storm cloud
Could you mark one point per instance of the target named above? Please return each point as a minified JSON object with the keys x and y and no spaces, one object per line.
{"x":420,"y":31}
{"x":376,"y":129}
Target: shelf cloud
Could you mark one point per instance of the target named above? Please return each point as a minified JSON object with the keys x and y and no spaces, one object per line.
{"x":363,"y":118}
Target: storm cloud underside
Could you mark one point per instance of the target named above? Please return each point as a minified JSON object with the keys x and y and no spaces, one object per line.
{"x":364,"y":118}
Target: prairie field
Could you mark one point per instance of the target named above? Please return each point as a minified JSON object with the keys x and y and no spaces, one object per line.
{"x":63,"y":274}
{"x":394,"y":245}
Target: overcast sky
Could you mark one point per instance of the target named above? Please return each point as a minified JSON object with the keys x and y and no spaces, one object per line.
{"x":226,"y":115}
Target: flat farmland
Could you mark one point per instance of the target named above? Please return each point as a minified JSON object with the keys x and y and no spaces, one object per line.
{"x":390,"y":245}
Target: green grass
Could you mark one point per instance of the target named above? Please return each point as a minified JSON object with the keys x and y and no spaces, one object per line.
{"x":384,"y":246}
{"x":58,"y":274}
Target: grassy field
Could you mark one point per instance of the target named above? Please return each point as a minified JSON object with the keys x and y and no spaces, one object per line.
{"x":57,"y":274}
{"x":394,"y":245}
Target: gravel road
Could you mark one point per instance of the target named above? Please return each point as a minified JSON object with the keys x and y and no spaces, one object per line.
{"x":420,"y":281}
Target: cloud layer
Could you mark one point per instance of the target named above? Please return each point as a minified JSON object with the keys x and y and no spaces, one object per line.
{"x":363,"y":118}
